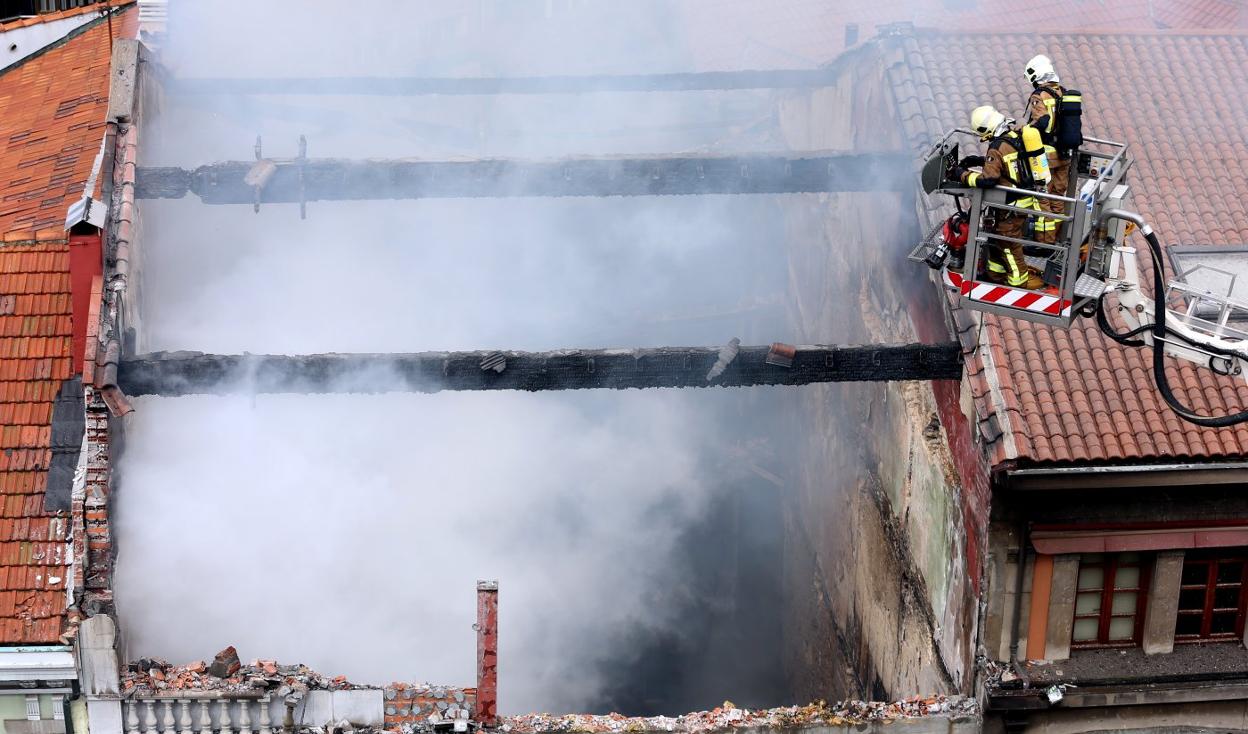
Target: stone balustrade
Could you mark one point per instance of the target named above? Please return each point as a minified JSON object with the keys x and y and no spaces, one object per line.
{"x":253,"y":712}
{"x":219,"y":714}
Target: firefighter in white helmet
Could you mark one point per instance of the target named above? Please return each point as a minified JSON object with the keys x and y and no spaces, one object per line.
{"x":1054,"y":111}
{"x":1003,"y":165}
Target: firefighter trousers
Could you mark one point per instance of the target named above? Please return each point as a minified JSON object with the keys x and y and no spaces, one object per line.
{"x":1047,"y":229}
{"x":1005,"y":259}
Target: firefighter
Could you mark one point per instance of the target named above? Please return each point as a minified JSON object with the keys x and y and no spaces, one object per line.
{"x":1002,"y":164}
{"x":1042,"y":114}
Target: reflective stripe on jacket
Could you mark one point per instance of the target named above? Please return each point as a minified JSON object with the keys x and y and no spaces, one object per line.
{"x":1001,"y":167}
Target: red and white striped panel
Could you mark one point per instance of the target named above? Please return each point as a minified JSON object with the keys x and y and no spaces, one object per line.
{"x":1019,"y":298}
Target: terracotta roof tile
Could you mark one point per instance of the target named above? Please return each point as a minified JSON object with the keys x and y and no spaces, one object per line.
{"x":736,"y":34}
{"x":58,"y":15}
{"x":52,"y":127}
{"x":54,"y":104}
{"x":1108,"y":409}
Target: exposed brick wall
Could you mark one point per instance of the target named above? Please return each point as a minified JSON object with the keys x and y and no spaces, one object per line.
{"x":99,"y":556}
{"x":408,"y":703}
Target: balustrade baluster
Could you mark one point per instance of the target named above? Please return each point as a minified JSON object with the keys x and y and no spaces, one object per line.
{"x":244,"y":717}
{"x":223,"y":724}
{"x":149,"y":717}
{"x":166,"y":721}
{"x":205,"y":718}
{"x":184,"y":716}
{"x":132,"y":717}
{"x":266,"y":724}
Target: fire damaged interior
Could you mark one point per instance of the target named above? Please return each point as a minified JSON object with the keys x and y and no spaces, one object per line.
{"x":716,"y":617}
{"x":345,"y":384}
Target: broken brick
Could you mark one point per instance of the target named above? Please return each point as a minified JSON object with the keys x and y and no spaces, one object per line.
{"x":225,"y":664}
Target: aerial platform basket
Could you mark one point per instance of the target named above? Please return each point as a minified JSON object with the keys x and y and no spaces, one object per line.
{"x":1075,"y":267}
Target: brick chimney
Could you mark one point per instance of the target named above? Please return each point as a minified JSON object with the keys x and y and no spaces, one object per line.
{"x":487,"y":653}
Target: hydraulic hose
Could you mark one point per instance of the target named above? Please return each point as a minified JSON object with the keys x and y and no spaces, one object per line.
{"x":1159,"y":346}
{"x":1124,"y":337}
{"x":1161,"y":334}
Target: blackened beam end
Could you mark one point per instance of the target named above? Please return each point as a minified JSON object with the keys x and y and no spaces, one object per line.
{"x":190,"y":373}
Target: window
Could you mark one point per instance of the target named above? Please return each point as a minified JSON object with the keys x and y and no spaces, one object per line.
{"x":10,"y":9}
{"x":1221,"y":270}
{"x":1109,"y":600}
{"x":1211,"y":597}
{"x":51,"y":6}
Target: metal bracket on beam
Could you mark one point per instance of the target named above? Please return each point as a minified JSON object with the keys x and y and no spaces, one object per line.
{"x":263,"y":170}
{"x":301,"y":162}
{"x":259,"y":175}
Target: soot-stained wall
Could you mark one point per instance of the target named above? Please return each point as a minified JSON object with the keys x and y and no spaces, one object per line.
{"x":878,"y":574}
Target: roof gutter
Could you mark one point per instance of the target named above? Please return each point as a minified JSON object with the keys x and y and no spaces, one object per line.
{"x":1128,"y":475}
{"x":37,"y":663}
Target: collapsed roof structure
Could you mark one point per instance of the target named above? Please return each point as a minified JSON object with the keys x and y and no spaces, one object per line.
{"x":71,"y":153}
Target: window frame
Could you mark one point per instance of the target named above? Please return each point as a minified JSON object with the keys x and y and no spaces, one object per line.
{"x":1110,"y":565}
{"x":1176,"y":254}
{"x":1212,"y":561}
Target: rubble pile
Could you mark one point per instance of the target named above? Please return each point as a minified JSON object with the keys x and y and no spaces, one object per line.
{"x":224,"y":674}
{"x":728,"y":717}
{"x":413,"y":704}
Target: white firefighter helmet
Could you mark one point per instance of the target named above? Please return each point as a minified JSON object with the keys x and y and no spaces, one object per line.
{"x":1039,"y":68}
{"x":985,"y":120}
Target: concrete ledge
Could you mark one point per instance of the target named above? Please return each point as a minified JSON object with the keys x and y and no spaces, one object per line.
{"x":1100,"y":696}
{"x":363,"y":707}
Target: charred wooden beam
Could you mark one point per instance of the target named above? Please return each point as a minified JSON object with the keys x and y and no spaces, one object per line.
{"x":189,"y":373}
{"x":412,"y":86}
{"x":329,"y":179}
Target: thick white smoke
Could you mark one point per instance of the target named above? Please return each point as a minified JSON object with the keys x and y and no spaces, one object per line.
{"x":347,"y":531}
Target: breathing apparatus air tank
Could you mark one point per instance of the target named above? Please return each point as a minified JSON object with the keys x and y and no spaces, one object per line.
{"x":1033,"y":149}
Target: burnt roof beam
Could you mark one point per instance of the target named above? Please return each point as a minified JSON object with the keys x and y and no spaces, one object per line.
{"x":190,"y":373}
{"x":414,"y":86}
{"x":321,"y":179}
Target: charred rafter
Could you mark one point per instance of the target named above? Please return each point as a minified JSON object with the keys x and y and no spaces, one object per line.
{"x":188,"y":373}
{"x":411,"y":86}
{"x":290,"y":181}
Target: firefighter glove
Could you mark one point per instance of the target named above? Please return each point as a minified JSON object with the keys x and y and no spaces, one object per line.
{"x":971,"y":161}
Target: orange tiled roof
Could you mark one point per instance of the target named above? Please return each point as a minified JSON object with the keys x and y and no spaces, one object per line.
{"x":58,"y":15}
{"x":53,"y":126}
{"x":741,"y":34}
{"x":1177,"y":98}
{"x":35,"y":337}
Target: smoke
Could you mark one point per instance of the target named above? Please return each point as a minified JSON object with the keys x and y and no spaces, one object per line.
{"x":635,"y":535}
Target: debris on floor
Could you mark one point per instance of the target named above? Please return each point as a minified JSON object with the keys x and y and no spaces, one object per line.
{"x":729,"y":716}
{"x":151,"y":677}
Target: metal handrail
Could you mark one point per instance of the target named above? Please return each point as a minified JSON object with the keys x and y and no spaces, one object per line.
{"x":1039,"y":194}
{"x":1106,"y":168}
{"x":1025,"y":243}
{"x":1028,"y":212}
{"x":1099,"y":141}
{"x":1206,"y":295}
{"x":1011,"y":189}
